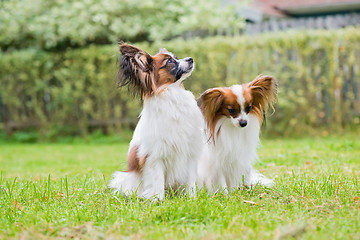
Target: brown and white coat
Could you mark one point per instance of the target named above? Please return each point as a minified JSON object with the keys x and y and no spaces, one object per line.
{"x":233,"y":117}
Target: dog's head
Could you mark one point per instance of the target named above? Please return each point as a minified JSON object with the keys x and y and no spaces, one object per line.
{"x":238,"y":101}
{"x":148,"y":75}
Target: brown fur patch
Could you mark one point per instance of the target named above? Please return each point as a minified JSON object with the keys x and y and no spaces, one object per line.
{"x":230,"y":102}
{"x":249,"y":101}
{"x":247,"y":94}
{"x":135,"y":163}
{"x":162,"y":71}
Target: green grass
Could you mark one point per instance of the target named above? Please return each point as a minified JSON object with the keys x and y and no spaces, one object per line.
{"x":58,"y":190}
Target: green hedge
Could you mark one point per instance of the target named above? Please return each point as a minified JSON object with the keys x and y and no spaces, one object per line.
{"x":75,"y":91}
{"x":59,"y":24}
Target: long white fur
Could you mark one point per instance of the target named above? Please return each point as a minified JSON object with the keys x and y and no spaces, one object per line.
{"x":169,"y":133}
{"x":228,"y":164}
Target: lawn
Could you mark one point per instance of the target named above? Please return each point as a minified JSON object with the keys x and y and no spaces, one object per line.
{"x":59,"y":190}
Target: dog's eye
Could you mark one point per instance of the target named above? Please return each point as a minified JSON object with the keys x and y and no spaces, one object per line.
{"x":248,"y":108}
{"x":231,"y":111}
{"x":170,"y":61}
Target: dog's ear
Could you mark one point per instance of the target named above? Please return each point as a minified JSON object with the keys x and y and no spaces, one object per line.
{"x":264,"y":91}
{"x":163,"y":50}
{"x":138,"y":57}
{"x":135,"y":69}
{"x":210,"y":103}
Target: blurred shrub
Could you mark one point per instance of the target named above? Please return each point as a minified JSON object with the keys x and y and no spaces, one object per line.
{"x":318,"y":73}
{"x":58,"y":24}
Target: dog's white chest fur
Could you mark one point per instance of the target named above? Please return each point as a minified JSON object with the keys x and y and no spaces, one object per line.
{"x":170,"y":124}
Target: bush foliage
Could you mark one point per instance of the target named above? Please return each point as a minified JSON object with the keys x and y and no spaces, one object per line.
{"x":58,"y":24}
{"x":318,"y":73}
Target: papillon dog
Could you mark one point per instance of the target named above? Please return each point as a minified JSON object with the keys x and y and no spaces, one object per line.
{"x":233,"y":117}
{"x":167,"y":140}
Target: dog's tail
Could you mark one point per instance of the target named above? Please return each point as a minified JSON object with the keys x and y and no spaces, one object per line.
{"x":125,"y":182}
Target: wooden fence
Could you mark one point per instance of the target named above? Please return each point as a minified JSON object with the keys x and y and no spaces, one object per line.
{"x":274,"y":25}
{"x":320,"y":22}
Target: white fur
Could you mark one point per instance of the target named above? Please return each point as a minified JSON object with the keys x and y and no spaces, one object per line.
{"x":169,"y":134}
{"x":228,"y":163}
{"x":238,"y":91}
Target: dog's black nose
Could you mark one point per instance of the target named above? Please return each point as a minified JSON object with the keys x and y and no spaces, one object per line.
{"x":243,"y":123}
{"x":190,"y":60}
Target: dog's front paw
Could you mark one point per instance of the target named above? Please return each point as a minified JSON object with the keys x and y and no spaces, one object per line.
{"x":259,"y":179}
{"x":266,"y":182}
{"x":151,"y":194}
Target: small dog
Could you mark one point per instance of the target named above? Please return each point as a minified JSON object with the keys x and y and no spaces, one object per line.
{"x":233,"y":116}
{"x":167,"y":140}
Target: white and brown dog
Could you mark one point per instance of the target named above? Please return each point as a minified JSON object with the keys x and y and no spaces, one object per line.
{"x":233,"y":116}
{"x":167,"y":140}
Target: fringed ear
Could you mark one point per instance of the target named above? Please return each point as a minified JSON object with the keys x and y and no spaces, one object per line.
{"x":135,"y":69}
{"x":264,"y":92}
{"x":210,"y":103}
{"x":163,"y":50}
